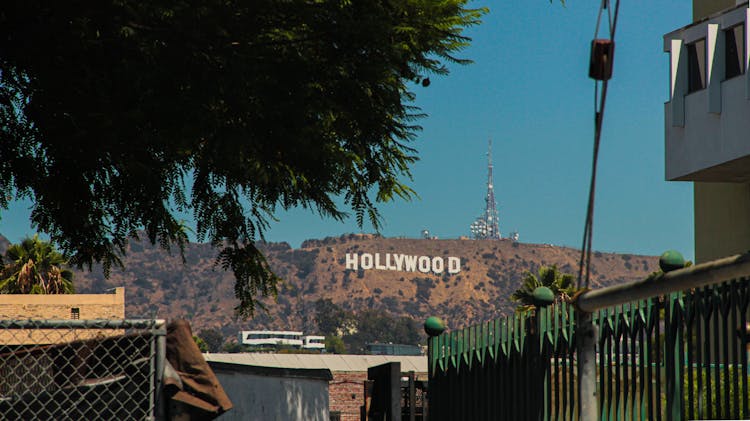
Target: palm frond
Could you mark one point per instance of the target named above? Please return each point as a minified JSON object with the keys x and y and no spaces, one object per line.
{"x":562,"y":286}
{"x":35,"y":267}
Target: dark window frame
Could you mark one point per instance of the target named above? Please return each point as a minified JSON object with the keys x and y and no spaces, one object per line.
{"x":733,"y":65}
{"x":696,"y":71}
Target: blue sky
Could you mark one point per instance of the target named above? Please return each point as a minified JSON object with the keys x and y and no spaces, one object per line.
{"x":529,"y":91}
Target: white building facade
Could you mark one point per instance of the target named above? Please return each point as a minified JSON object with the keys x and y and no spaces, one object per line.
{"x":707,"y":123}
{"x":281,"y":338}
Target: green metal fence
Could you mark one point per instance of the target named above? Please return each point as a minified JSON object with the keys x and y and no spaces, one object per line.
{"x":679,"y":356}
{"x":517,"y":367}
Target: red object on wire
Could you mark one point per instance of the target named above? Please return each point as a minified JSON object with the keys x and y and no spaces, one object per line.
{"x":602,"y":57}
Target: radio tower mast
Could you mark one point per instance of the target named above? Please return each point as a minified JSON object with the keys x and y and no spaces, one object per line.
{"x":487,"y":226}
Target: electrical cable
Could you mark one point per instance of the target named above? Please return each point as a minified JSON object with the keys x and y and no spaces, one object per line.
{"x":600,"y":99}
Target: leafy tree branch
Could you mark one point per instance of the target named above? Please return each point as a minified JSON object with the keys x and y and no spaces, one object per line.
{"x":117,"y":114}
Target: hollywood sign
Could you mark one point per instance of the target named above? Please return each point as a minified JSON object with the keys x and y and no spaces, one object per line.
{"x":403,"y":262}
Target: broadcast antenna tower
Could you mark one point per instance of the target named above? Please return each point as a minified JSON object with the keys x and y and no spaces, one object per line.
{"x":487,"y":226}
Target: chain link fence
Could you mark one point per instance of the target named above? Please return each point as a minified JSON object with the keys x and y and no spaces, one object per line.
{"x":81,"y":369}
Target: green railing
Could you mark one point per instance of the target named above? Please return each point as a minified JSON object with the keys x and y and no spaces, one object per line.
{"x":682,"y":355}
{"x":519,"y":367}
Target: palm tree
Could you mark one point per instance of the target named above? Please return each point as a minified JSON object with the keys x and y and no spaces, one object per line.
{"x":35,"y":267}
{"x":561,"y":285}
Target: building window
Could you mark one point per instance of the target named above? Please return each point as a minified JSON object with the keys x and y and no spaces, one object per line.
{"x":696,"y":65}
{"x":734,"y":39}
{"x":75,"y":313}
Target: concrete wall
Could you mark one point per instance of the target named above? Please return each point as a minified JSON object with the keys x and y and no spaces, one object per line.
{"x":722,"y":220}
{"x":271,"y":398}
{"x":59,"y":306}
{"x":710,"y":146}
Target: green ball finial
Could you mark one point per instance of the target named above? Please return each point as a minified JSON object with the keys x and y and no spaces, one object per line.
{"x":543,"y":296}
{"x":671,"y":260}
{"x":434,"y":326}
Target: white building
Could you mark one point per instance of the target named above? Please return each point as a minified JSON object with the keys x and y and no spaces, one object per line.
{"x":281,"y":338}
{"x":271,"y":338}
{"x":707,"y":123}
{"x":313,"y":342}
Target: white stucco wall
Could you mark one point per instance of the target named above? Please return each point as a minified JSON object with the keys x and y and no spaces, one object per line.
{"x":269,"y":398}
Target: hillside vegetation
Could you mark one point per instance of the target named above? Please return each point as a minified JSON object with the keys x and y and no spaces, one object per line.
{"x":160,"y":285}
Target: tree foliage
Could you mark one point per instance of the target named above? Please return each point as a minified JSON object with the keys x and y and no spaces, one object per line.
{"x":234,"y":348}
{"x":213,"y":339}
{"x":202,"y":346}
{"x":34,"y":267}
{"x":335,"y":345}
{"x":356,"y":330}
{"x":375,"y":326}
{"x":116,"y":115}
{"x":561,"y":284}
{"x":331,"y":319}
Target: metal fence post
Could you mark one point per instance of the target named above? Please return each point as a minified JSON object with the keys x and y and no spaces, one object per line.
{"x":586,"y":349}
{"x":430,"y":381}
{"x":160,"y":338}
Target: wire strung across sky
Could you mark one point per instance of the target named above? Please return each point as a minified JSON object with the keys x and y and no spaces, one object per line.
{"x":602,"y":55}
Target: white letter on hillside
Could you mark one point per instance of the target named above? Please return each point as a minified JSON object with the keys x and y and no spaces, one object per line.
{"x":366,"y":261}
{"x":410,"y":263}
{"x":438,"y":265}
{"x":351,"y":261}
{"x":399,"y":259}
{"x":388,"y":262}
{"x":454,"y":265}
{"x":377,"y":262}
{"x":424,"y":264}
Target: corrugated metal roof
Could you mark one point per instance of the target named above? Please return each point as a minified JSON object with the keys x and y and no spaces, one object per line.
{"x":333,"y":362}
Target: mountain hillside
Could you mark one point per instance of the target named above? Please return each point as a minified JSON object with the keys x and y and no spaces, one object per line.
{"x":158,"y":284}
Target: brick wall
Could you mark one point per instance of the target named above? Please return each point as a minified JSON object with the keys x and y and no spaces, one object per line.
{"x":59,"y":306}
{"x":346,"y":394}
